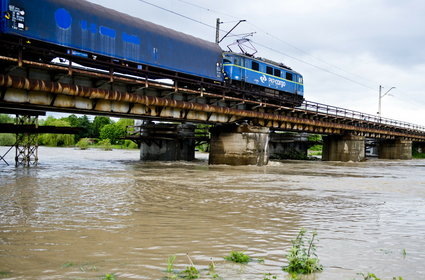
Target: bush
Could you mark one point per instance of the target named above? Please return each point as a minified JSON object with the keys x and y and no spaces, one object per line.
{"x":238,"y":257}
{"x":105,"y":144}
{"x":83,"y":144}
{"x":130,"y":144}
{"x":7,"y":139}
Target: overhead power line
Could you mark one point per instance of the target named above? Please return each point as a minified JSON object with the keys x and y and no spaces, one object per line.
{"x":315,"y":66}
{"x":266,"y":47}
{"x":178,"y":14}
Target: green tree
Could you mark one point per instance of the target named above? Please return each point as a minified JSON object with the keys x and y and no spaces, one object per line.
{"x":125,"y":122}
{"x":7,"y":139}
{"x":113,"y":132}
{"x":6,"y":118}
{"x":98,"y":123}
{"x":56,"y":140}
{"x":83,"y":123}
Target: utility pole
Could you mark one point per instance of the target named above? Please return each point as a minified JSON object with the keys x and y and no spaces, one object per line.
{"x":217,"y":30}
{"x":381,"y":96}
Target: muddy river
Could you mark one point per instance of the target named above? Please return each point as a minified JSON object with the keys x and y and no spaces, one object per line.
{"x":86,"y":214}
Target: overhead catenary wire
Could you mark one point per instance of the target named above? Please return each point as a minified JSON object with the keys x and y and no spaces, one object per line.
{"x":178,"y":14}
{"x":269,"y":48}
{"x":267,"y":33}
{"x":315,"y":66}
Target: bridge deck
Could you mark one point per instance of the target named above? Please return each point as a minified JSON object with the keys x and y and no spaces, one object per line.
{"x":54,"y":87}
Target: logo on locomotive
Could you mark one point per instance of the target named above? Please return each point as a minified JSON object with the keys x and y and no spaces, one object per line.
{"x":272,"y":81}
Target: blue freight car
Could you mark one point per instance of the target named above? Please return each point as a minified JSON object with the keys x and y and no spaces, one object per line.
{"x":84,"y":27}
{"x":273,"y":78}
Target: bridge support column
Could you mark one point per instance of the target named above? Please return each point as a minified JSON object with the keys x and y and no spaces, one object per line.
{"x":167,"y":142}
{"x":395,"y":149}
{"x":239,"y":145}
{"x":343,"y":148}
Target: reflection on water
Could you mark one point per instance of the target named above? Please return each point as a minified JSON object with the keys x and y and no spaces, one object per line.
{"x":82,"y":214}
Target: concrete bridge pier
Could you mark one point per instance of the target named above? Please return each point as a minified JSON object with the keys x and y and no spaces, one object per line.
{"x":395,"y":149}
{"x":167,"y":142}
{"x":239,"y":145}
{"x":343,"y":148}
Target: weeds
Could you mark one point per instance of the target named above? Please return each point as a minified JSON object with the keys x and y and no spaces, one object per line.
{"x":371,"y":276}
{"x":303,"y":259}
{"x":190,"y":273}
{"x":211,"y":271}
{"x":170,"y":263}
{"x":109,"y":277}
{"x":238,"y":257}
{"x":4,"y":274}
{"x":269,"y":276}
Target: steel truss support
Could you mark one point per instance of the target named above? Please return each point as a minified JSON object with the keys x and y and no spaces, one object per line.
{"x":26,"y":145}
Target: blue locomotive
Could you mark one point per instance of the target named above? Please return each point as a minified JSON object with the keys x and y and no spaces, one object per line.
{"x":96,"y":36}
{"x":265,"y":75}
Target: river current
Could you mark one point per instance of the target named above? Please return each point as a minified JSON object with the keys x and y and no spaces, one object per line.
{"x":84,"y":214}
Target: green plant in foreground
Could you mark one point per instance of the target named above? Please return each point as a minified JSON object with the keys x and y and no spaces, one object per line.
{"x":371,"y":276}
{"x":190,"y":273}
{"x":269,"y":276}
{"x":302,"y":258}
{"x":238,"y":257}
{"x":109,"y":277}
{"x":4,"y":274}
{"x":170,"y":263}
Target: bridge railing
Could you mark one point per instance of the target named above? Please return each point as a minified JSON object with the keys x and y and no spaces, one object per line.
{"x":338,"y":112}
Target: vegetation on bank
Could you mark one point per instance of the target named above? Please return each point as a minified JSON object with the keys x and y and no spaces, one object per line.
{"x":101,"y":132}
{"x":418,"y":155}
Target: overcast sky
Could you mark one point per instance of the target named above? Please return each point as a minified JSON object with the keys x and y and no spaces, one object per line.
{"x":344,"y":49}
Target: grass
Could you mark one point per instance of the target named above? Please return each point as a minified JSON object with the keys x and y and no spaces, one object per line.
{"x":109,"y":277}
{"x":371,"y":276}
{"x":170,"y":263}
{"x":4,"y":274}
{"x":238,"y":257}
{"x":189,"y":273}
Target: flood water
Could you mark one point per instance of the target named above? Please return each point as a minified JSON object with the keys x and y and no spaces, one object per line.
{"x":84,"y":214}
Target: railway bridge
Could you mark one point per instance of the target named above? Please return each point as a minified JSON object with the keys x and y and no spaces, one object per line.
{"x":242,"y":126}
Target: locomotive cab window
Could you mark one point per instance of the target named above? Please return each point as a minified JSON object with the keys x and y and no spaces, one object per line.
{"x":269,"y":70}
{"x":226,"y":61}
{"x":277,"y":72}
{"x":237,"y":61}
{"x":255,"y":66}
{"x":289,"y":76}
